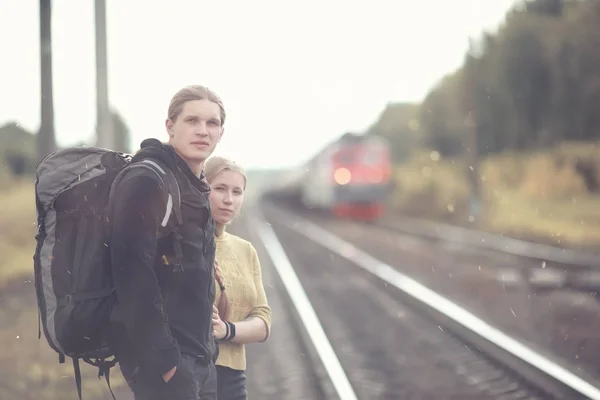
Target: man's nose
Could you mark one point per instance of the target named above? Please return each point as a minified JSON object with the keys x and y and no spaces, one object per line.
{"x":201,"y":129}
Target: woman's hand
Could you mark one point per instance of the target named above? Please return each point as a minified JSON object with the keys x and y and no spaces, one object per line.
{"x":219,"y":328}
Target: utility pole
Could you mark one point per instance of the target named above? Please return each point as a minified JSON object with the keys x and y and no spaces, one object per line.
{"x":470,"y":88}
{"x":104,"y":122}
{"x":45,"y":140}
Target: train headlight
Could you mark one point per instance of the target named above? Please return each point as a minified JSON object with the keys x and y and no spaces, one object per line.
{"x":342,"y":176}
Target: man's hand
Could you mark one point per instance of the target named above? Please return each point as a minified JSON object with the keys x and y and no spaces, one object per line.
{"x":219,"y":328}
{"x":167,"y":376}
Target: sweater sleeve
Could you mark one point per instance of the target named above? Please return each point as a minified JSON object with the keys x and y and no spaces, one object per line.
{"x":261,"y":308}
{"x":137,"y":207}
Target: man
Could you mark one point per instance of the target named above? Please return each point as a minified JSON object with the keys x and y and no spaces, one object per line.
{"x":163,"y":316}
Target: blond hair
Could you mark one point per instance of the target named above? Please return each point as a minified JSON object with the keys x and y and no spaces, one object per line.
{"x":216,"y":164}
{"x":191,"y":93}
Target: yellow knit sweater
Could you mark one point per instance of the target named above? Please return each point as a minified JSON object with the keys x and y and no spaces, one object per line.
{"x":242,"y":276}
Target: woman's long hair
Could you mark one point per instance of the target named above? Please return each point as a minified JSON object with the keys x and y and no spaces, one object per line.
{"x":212,"y":168}
{"x":223,"y":305}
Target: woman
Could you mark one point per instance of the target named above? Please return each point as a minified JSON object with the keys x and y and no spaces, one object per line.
{"x":243,"y":315}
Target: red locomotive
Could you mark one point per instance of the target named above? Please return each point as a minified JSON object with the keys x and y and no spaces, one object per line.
{"x":350,"y":177}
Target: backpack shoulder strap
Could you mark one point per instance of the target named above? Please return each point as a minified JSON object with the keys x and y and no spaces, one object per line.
{"x":173,"y":205}
{"x":173,"y":194}
{"x":167,"y":180}
{"x":173,"y":202}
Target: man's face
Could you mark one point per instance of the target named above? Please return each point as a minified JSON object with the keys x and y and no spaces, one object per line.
{"x":195,"y":132}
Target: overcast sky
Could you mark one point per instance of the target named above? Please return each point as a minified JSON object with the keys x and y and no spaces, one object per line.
{"x":293,"y":74}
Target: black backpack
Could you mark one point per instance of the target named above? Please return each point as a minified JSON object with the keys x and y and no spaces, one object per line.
{"x":72,"y":272}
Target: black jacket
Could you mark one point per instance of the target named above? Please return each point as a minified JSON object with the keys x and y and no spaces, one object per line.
{"x":163,"y":313}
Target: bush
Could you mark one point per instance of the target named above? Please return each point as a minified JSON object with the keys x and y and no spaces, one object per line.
{"x":430,"y":187}
{"x":550,"y":196}
{"x":551,"y":176}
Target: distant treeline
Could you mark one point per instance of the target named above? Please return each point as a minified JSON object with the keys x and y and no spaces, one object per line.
{"x":531,"y":85}
{"x":18,"y":151}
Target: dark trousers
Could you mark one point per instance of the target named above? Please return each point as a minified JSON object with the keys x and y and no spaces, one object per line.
{"x":193,"y":380}
{"x":231,"y":384}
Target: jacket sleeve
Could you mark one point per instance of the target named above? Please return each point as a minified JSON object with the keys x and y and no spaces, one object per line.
{"x":137,"y":205}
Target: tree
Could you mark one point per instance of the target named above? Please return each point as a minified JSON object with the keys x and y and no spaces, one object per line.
{"x":546,"y":7}
{"x":525,"y":73}
{"x":121,"y":132}
{"x":532,"y":84}
{"x":442,"y":117}
{"x":18,"y":150}
{"x":399,"y":123}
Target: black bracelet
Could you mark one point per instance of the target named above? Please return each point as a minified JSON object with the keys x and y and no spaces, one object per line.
{"x":226,"y":331}
{"x":232,"y":330}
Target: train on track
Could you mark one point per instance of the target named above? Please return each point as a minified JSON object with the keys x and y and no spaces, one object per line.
{"x":351,"y":177}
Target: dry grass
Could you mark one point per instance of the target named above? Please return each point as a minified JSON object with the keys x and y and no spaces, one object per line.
{"x":427,"y":187}
{"x":30,"y":367}
{"x":17,"y":231}
{"x":569,"y":222}
{"x":542,"y":196}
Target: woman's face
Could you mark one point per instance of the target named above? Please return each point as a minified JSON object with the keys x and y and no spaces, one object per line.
{"x":226,"y":196}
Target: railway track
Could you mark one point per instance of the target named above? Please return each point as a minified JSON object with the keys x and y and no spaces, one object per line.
{"x":570,"y":258}
{"x":542,"y":266}
{"x":381,"y":334}
{"x":285,"y":367}
{"x":549,"y":305}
